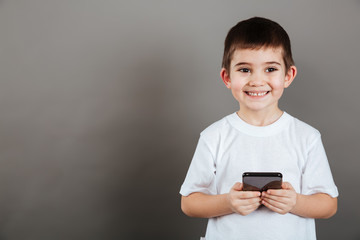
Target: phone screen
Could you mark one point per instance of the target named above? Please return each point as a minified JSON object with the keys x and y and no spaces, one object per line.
{"x":261,"y":181}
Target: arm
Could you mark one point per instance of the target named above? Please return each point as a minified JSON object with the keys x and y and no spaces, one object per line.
{"x":318,"y":205}
{"x":207,"y":206}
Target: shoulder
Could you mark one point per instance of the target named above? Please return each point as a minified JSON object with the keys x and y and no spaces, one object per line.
{"x":304,"y":130}
{"x":216,"y":128}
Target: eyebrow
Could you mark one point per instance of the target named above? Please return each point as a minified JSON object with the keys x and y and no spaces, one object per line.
{"x":276,"y":63}
{"x":246,"y":63}
{"x":241,"y":63}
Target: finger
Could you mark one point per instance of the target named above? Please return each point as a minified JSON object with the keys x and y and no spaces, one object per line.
{"x":281,"y":205}
{"x":255,"y":206}
{"x":245,"y":208}
{"x":275,"y":192}
{"x":247,"y":204}
{"x":245,"y":212}
{"x":249,"y":194}
{"x":246,"y":198}
{"x":250,"y":201}
{"x":246,"y":194}
{"x":252,"y":207}
{"x":272,"y":207}
{"x":288,"y":193}
{"x":287,"y":185}
{"x":237,"y":186}
{"x":281,"y":199}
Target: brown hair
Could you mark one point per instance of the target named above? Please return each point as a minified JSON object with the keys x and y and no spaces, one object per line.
{"x":255,"y":33}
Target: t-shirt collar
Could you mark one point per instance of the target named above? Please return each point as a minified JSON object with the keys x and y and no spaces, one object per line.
{"x":260,"y":131}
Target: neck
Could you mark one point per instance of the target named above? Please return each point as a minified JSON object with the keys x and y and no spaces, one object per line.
{"x":260,"y":118}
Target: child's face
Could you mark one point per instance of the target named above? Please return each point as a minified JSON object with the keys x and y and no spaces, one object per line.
{"x":257,"y":78}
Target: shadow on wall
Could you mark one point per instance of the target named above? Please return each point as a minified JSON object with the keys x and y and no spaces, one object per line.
{"x":152,"y":150}
{"x":98,"y":154}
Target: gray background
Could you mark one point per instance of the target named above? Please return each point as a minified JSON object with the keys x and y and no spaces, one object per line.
{"x":102,"y":103}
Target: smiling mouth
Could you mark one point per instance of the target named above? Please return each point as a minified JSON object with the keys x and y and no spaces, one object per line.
{"x":257,"y":94}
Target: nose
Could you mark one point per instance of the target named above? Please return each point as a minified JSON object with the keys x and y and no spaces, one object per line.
{"x":256,"y":79}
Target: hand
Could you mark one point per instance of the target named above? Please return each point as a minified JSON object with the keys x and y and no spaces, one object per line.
{"x":243,"y":202}
{"x":281,"y":201}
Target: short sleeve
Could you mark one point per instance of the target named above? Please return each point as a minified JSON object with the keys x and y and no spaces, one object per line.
{"x":317,"y":177}
{"x":201,"y":174}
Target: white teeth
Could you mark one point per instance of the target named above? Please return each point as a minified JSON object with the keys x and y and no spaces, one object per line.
{"x":257,"y":94}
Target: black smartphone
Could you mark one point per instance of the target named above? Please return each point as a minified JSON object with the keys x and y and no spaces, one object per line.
{"x":261,"y":181}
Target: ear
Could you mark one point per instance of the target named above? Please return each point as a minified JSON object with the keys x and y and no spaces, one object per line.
{"x":225,"y":77}
{"x":290,"y":75}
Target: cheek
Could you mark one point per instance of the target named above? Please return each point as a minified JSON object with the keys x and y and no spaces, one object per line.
{"x":278,"y":91}
{"x":277,"y":84}
{"x":237,"y":85}
{"x":236,"y":90}
{"x":278,"y":87}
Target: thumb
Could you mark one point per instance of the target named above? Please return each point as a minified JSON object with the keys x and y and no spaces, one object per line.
{"x":238,"y":186}
{"x":287,"y":185}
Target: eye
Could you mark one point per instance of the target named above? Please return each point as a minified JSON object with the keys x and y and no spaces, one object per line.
{"x":244,"y":70}
{"x":270,"y":69}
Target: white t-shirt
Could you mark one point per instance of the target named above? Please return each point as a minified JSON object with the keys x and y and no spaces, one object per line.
{"x":230,"y":147}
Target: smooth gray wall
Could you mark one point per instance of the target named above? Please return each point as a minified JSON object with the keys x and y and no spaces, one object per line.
{"x":102,"y":103}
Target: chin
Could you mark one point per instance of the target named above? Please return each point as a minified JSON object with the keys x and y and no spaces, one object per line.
{"x":256,"y":108}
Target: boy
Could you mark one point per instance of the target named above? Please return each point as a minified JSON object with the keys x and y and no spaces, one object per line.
{"x":257,"y":66}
